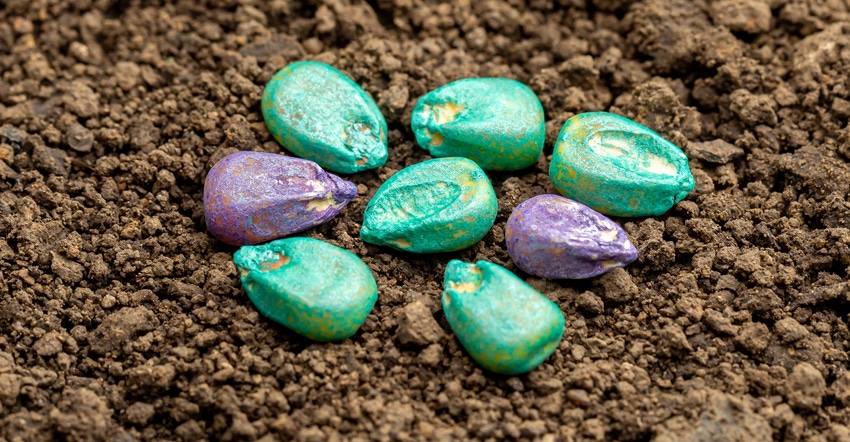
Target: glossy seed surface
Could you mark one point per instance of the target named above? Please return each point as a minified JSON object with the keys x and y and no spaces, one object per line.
{"x":618,"y":167}
{"x":314,"y":288}
{"x":439,"y":205}
{"x":503,"y":323}
{"x":254,"y":197}
{"x":496,"y":122}
{"x":555,"y":237}
{"x":318,"y":113}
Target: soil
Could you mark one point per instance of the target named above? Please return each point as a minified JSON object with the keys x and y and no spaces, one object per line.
{"x":122,"y":319}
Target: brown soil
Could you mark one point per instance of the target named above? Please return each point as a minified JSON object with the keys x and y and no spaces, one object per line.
{"x":122,"y":319}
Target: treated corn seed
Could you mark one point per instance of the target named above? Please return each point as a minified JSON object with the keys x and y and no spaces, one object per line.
{"x":496,"y":122}
{"x":503,"y":323}
{"x":618,"y":167}
{"x":318,"y":113}
{"x":314,"y":288}
{"x":555,"y":237}
{"x":254,"y":197}
{"x":439,"y":205}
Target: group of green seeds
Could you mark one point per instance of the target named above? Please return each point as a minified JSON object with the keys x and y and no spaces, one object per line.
{"x":603,"y":164}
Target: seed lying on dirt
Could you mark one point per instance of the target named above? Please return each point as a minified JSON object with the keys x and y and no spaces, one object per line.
{"x":496,"y":122}
{"x":314,"y":288}
{"x":618,"y":167}
{"x":439,"y":205}
{"x":554,"y":237}
{"x":254,"y":197}
{"x":504,"y":324}
{"x":318,"y":113}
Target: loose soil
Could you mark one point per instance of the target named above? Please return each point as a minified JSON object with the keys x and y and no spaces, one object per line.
{"x":122,"y":319}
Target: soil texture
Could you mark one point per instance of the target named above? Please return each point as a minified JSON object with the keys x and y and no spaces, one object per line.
{"x":122,"y":319}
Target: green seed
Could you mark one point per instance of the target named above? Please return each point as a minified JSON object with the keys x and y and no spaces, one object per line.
{"x":318,"y":113}
{"x":496,"y":122}
{"x":504,"y":324}
{"x":618,"y":167}
{"x":312,"y":287}
{"x":439,"y":205}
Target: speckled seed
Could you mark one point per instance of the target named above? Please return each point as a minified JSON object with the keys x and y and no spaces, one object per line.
{"x":318,"y":113}
{"x":618,"y":167}
{"x":504,"y":324}
{"x":555,"y":237}
{"x":439,"y":205}
{"x":312,"y":287}
{"x":254,"y":197}
{"x":496,"y":122}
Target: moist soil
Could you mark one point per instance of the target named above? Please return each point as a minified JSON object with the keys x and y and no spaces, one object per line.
{"x":122,"y":319}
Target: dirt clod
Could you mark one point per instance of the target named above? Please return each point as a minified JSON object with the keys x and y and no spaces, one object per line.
{"x":417,"y":326}
{"x":806,"y":387}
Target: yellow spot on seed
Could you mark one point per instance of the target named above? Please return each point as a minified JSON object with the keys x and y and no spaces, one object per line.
{"x":446,"y":112}
{"x":463,"y":287}
{"x":437,"y":140}
{"x":274,"y":265}
{"x":610,"y":264}
{"x":401,"y":242}
{"x":321,"y":204}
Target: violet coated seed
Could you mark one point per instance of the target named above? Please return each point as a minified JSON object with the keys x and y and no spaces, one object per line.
{"x":255,"y":197}
{"x":555,"y":237}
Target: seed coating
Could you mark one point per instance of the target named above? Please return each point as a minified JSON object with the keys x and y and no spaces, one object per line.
{"x":496,"y":122}
{"x":618,"y":167}
{"x":439,"y":205}
{"x":555,"y":237}
{"x":254,"y":197}
{"x":503,"y":323}
{"x":314,"y":288}
{"x":318,"y":113}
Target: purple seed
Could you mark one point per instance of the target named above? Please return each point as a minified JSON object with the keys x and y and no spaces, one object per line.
{"x":254,"y":197}
{"x":555,"y":237}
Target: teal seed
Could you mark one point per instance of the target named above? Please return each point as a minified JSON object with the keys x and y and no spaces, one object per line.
{"x":618,"y":167}
{"x":312,"y":287}
{"x":439,"y":205}
{"x":318,"y":113}
{"x":503,"y":323}
{"x":496,"y":122}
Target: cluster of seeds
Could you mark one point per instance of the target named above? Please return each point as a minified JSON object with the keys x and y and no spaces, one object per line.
{"x":603,"y":163}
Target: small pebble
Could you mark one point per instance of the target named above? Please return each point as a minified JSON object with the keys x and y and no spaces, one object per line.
{"x":504,"y":324}
{"x":618,"y":167}
{"x":496,"y":122}
{"x":439,"y":205}
{"x":417,"y":326}
{"x":108,"y":301}
{"x":318,"y":113}
{"x":254,"y":197}
{"x":717,"y":151}
{"x":555,"y":237}
{"x":79,"y":138}
{"x":590,"y":303}
{"x":22,"y":26}
{"x":314,"y":288}
{"x":515,"y":383}
{"x":579,"y":397}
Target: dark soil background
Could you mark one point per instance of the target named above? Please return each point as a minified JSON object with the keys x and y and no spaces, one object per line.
{"x":121,"y":319}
